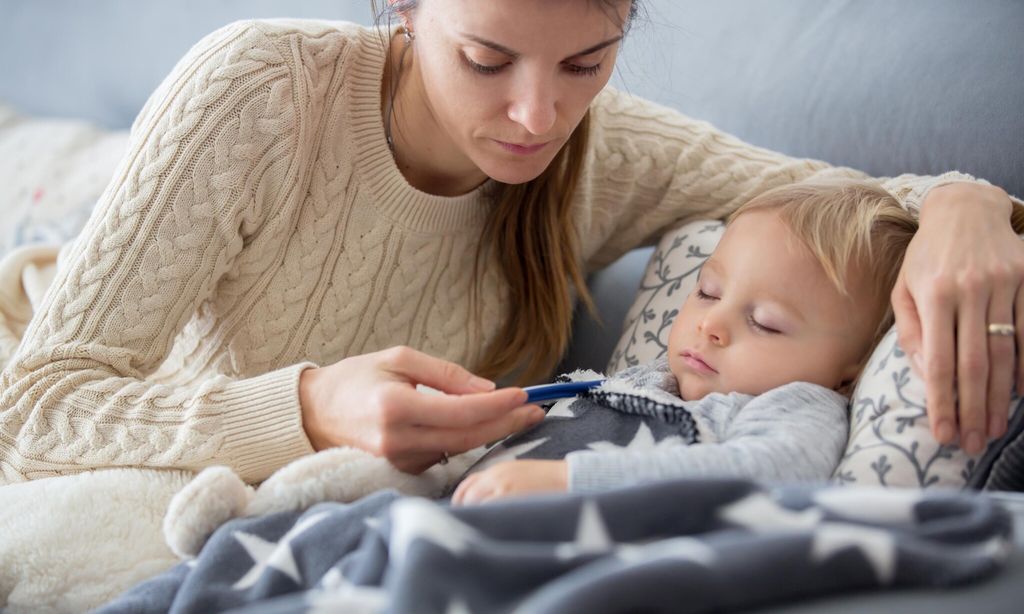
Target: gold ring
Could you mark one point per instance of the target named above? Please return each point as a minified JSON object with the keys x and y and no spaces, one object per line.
{"x":1002,"y":330}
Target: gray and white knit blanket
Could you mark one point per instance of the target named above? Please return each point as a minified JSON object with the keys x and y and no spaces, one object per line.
{"x":679,"y":546}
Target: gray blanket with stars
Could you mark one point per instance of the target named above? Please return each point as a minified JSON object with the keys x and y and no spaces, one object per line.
{"x":677,"y":546}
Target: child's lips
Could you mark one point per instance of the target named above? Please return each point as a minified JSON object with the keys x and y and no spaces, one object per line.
{"x":696,"y":362}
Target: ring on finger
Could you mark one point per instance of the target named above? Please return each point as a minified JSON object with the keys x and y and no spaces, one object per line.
{"x":1002,"y":330}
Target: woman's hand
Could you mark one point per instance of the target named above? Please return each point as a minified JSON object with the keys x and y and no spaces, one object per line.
{"x":371,"y":402}
{"x":512,"y":478}
{"x":963,"y":271}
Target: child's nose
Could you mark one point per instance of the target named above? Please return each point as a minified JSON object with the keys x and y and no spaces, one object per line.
{"x":715,"y":329}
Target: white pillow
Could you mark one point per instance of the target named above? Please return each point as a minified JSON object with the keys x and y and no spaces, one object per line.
{"x":890,"y":442}
{"x":52,"y":172}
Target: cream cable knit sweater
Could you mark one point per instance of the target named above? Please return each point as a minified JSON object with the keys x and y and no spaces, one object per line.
{"x":258,"y":226}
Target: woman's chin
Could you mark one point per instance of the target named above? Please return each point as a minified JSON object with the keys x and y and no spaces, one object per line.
{"x":514,"y":171}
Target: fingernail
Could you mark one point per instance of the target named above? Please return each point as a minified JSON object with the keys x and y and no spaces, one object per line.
{"x":537,"y":414}
{"x":973,"y":443}
{"x":944,"y":431}
{"x":481,"y":384}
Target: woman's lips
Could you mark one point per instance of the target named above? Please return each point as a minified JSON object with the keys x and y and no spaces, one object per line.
{"x":522,"y":150}
{"x":696,"y":362}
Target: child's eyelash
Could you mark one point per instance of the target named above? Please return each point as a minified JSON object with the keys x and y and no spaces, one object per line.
{"x":705,"y":296}
{"x":761,"y":327}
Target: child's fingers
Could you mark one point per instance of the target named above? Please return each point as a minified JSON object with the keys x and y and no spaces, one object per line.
{"x":460,"y":491}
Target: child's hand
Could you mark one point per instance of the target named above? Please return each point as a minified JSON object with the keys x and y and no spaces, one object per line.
{"x":513,"y":478}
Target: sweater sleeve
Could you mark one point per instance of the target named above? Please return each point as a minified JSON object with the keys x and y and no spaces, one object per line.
{"x":651,"y":168}
{"x":213,"y":150}
{"x":796,"y":432}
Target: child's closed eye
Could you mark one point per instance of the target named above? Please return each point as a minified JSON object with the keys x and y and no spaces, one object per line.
{"x":761,"y":327}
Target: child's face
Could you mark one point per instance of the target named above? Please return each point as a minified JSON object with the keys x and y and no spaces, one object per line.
{"x":764,"y":314}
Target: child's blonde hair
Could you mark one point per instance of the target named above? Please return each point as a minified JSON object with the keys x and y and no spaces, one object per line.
{"x":847,"y":225}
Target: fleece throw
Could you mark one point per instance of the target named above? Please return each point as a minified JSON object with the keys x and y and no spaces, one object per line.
{"x":680,"y":546}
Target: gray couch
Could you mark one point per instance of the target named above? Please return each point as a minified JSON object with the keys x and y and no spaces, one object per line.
{"x":887,"y":86}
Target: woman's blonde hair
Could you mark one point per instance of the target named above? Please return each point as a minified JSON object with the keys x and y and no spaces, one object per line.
{"x":848,"y":225}
{"x":531,"y":235}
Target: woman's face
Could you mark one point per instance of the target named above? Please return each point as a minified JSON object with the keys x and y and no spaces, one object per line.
{"x":507,"y":81}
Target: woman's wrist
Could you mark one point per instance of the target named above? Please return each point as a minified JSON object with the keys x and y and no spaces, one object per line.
{"x":308,"y":405}
{"x":967,"y":197}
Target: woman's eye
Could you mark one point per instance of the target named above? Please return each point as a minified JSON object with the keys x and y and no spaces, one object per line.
{"x":485,"y":69}
{"x":704,"y":296}
{"x":761,"y":327}
{"x":586,"y":71}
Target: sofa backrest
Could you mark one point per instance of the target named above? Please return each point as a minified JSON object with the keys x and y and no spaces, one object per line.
{"x":886,"y":86}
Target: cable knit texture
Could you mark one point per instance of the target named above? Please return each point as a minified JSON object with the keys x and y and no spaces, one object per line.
{"x":258,"y":226}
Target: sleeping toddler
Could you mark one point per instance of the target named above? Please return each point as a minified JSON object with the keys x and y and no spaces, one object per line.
{"x":761,"y":358}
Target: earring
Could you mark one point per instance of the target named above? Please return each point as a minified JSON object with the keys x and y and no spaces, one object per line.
{"x":408,"y":33}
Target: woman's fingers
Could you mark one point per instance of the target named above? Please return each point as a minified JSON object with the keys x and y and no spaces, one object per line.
{"x":441,"y":374}
{"x":458,"y":440}
{"x":416,"y":463}
{"x":1019,"y":324}
{"x":1000,"y":359}
{"x":972,"y":366}
{"x":410,"y":406}
{"x":938,"y":365}
{"x":908,"y":324}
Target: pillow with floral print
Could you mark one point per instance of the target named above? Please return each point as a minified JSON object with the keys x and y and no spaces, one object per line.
{"x":890,"y":442}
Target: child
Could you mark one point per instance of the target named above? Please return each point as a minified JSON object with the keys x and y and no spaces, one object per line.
{"x":784,"y":316}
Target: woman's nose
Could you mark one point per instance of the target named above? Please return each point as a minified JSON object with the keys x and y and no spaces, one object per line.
{"x":533,"y":106}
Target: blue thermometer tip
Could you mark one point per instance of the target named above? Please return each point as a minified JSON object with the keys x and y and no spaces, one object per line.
{"x":564,"y":390}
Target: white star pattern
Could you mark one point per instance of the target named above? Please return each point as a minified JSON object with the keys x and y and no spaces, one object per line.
{"x":591,"y":534}
{"x":759,"y":512}
{"x":682,"y":548}
{"x":417,"y":518}
{"x":457,"y":606}
{"x":273,"y":555}
{"x":561,"y":409}
{"x":877,"y":546}
{"x":337,"y":594}
{"x":871,"y":504}
{"x":643,"y":440}
{"x":509,"y":453}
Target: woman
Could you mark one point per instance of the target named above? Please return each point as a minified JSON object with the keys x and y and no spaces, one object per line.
{"x":298,"y":194}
